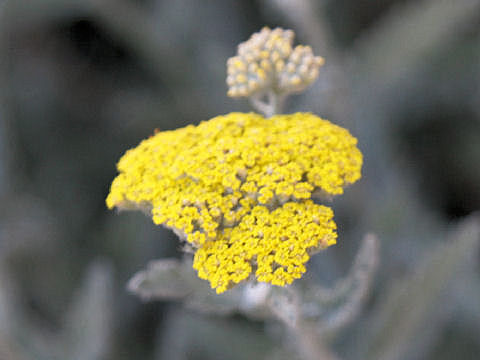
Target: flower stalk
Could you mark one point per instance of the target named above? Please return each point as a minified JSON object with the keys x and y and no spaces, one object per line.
{"x":272,"y":106}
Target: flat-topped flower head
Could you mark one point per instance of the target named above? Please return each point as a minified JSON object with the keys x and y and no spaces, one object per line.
{"x":268,"y":62}
{"x":238,"y":188}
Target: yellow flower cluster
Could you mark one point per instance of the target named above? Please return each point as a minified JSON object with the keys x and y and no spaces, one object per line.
{"x":238,"y":188}
{"x":277,"y":242}
{"x":267,"y":61}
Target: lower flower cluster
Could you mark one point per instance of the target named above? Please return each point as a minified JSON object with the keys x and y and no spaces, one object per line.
{"x":239,"y":189}
{"x":274,"y":245}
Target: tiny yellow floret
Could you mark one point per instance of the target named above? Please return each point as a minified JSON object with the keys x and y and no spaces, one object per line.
{"x":238,"y":188}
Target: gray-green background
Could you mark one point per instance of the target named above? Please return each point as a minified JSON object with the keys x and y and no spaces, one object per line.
{"x":83,"y":81}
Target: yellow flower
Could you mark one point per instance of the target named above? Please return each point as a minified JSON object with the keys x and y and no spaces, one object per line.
{"x":239,"y":189}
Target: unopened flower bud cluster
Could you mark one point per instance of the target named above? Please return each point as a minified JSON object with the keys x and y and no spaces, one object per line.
{"x":268,"y":62}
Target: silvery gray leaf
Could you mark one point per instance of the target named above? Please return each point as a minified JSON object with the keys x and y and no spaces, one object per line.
{"x":88,"y":324}
{"x":162,"y":279}
{"x":404,"y":312}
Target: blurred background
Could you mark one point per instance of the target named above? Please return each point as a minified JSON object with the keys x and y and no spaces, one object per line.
{"x":83,"y":81}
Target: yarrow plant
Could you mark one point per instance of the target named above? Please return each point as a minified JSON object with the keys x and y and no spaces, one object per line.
{"x":241,"y":189}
